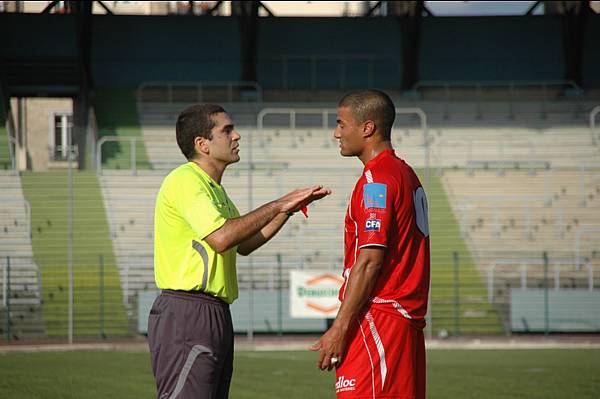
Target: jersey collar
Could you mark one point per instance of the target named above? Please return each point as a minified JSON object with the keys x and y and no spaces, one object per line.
{"x":198,"y":169}
{"x":389,"y":152}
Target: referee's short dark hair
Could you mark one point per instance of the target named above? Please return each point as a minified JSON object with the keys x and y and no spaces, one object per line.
{"x":192,"y":122}
{"x":372,"y":105}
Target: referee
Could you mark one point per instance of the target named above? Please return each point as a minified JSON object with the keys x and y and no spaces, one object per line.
{"x":198,"y":231}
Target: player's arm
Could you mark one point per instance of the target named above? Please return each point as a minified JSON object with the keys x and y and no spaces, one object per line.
{"x":263,"y":236}
{"x":238,"y":230}
{"x":361,"y":283}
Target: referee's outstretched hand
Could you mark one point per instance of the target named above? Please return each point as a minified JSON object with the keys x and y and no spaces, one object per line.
{"x":297,"y":199}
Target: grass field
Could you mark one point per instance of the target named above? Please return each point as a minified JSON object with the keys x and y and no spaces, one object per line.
{"x":5,"y":160}
{"x":489,"y":374}
{"x":476,"y":315}
{"x":47,"y":195}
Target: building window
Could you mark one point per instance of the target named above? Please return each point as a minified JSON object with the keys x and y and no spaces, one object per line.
{"x":62,"y":130}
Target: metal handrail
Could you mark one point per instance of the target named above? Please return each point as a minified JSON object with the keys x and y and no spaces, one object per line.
{"x":133,"y":150}
{"x":494,"y":83}
{"x":53,"y":151}
{"x":325,"y":112}
{"x":524,"y":263}
{"x":468,"y":142}
{"x":479,"y":85}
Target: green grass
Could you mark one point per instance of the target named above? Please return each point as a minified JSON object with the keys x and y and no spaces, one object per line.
{"x":489,"y":374}
{"x":116,"y":115}
{"x":5,"y":160}
{"x":476,"y":316}
{"x":46,"y":192}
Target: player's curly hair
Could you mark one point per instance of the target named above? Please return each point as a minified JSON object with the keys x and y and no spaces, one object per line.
{"x":372,"y":105}
{"x":192,"y":122}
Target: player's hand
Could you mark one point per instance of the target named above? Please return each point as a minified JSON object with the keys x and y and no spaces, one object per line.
{"x":332,"y":345}
{"x":297,"y":199}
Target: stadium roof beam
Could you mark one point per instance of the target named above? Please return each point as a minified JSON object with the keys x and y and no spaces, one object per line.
{"x":533,"y":7}
{"x":248,"y":14}
{"x":411,"y":13}
{"x":81,"y":102}
{"x":574,"y":26}
{"x":70,"y":7}
{"x":373,"y":9}
{"x":215,"y":8}
{"x":101,"y":4}
{"x":49,"y":7}
{"x":405,"y":5}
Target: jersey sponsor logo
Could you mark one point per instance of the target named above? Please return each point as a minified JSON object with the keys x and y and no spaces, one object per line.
{"x":372,"y":225}
{"x":345,"y":384}
{"x":374,"y":195}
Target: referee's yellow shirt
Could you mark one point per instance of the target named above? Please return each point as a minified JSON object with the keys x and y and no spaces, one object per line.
{"x":190,"y":205}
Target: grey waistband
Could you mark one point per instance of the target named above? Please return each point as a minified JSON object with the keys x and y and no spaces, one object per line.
{"x":195,"y":296}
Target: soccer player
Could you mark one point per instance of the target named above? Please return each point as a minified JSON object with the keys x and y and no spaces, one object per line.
{"x":198,"y":231}
{"x":376,"y":342}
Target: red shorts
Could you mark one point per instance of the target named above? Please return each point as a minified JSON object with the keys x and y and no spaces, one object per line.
{"x":385,"y":358}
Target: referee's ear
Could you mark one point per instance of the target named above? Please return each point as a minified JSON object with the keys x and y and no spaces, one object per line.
{"x":201,"y":145}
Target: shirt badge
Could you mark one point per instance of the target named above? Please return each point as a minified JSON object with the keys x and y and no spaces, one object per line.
{"x":372,"y":225}
{"x":374,"y":195}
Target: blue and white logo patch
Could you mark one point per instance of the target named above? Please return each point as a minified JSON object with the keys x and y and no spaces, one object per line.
{"x":374,"y":195}
{"x":372,"y":225}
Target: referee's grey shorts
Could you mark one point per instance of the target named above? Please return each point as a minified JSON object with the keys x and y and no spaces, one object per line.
{"x":191,"y":345}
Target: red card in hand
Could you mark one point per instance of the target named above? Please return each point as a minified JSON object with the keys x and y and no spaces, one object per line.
{"x":305,"y":211}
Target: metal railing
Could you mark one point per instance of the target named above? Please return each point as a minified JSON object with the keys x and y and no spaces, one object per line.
{"x":501,"y":146}
{"x":522,"y":268}
{"x":133,"y":140}
{"x":479,"y":87}
{"x":326,"y":112}
{"x":61,"y":153}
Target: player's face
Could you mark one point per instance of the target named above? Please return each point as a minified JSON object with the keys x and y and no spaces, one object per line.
{"x":224,"y":146}
{"x":348,"y":132}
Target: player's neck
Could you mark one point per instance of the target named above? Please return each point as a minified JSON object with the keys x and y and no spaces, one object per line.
{"x":213,"y":169}
{"x":374,"y":149}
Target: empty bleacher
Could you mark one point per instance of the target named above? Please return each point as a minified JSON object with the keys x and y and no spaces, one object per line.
{"x":509,"y":220}
{"x":19,"y":275}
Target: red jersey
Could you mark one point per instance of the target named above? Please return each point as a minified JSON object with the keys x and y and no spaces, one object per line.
{"x":388,"y":208}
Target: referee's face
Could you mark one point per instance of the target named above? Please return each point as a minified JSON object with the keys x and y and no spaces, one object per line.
{"x":348,"y":133}
{"x":224,"y":146}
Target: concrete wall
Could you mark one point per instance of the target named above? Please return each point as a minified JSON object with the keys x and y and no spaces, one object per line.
{"x":39,"y":124}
